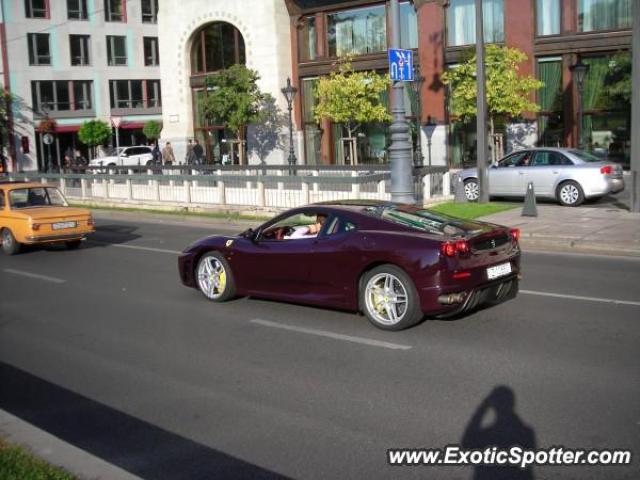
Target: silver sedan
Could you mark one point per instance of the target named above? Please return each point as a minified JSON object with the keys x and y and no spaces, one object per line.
{"x":564,"y":174}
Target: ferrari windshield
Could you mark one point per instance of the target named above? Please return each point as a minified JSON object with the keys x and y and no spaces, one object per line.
{"x":417,"y":218}
{"x":36,"y":197}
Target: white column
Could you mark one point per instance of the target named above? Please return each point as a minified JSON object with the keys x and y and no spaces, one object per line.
{"x":262,"y":200}
{"x":187,"y":191}
{"x":222,"y":199}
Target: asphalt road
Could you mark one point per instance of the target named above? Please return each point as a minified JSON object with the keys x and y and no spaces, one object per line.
{"x":104,"y":348}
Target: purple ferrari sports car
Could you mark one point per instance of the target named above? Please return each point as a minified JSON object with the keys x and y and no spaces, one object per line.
{"x":395,"y":263}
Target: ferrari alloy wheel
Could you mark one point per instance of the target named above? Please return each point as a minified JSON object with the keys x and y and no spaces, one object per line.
{"x":10,"y":245}
{"x":570,"y":194}
{"x":389,"y":298}
{"x":471,"y":190}
{"x":214,"y":277}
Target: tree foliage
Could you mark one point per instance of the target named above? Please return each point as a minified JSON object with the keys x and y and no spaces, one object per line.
{"x":5,"y":100}
{"x":618,"y":81}
{"x":266,"y":134}
{"x":94,"y":133}
{"x":152,"y":130}
{"x":508,"y":93}
{"x":233,"y":98}
{"x":351,"y":98}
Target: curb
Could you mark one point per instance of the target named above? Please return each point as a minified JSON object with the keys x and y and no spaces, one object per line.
{"x":561,"y":245}
{"x":58,"y":452}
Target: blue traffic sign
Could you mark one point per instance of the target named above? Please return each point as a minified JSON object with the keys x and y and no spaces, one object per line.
{"x":401,"y":65}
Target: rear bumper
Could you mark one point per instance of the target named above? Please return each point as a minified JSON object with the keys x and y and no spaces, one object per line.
{"x":32,"y":239}
{"x":603,"y":186}
{"x":494,"y":292}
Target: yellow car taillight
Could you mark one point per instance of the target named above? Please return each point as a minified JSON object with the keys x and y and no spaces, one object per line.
{"x":90,"y":222}
{"x":35,"y":227}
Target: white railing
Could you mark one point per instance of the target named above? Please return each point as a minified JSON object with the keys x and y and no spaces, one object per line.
{"x":278,"y":191}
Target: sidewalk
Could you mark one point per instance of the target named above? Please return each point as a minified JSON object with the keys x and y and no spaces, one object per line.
{"x":580,"y":229}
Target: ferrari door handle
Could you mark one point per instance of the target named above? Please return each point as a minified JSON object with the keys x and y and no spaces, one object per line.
{"x":555,"y":172}
{"x":520,"y":173}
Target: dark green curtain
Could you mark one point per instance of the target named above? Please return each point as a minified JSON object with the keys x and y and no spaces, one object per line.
{"x":551,"y":94}
{"x":593,"y":93}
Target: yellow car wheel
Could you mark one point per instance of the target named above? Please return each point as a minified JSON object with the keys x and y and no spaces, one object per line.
{"x":214,"y":277}
{"x":10,"y":245}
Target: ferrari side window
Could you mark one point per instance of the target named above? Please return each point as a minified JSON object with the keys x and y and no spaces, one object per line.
{"x":340,"y":225}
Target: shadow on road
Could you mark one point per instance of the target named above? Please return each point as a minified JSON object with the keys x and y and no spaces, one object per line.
{"x":132,"y":444}
{"x":504,"y":430}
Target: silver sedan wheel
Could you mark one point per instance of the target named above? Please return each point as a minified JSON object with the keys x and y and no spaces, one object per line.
{"x":471,"y":190}
{"x":386,"y":298}
{"x":212,"y":277}
{"x":569,"y":194}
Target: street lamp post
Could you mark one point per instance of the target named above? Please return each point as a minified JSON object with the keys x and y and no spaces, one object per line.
{"x":635,"y":112}
{"x":430,"y":128}
{"x":402,"y":186}
{"x":481,"y":106}
{"x":45,"y":109}
{"x":416,"y":85}
{"x":579,"y":72}
{"x":289,"y":92}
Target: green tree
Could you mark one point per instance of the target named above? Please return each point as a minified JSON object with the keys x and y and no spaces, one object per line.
{"x":152,"y":129}
{"x":351,"y":98}
{"x":94,"y":133}
{"x":508,"y":92}
{"x":234,"y":100}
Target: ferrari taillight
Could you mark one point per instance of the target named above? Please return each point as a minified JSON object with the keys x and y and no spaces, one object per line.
{"x":451,"y":249}
{"x":515,"y":234}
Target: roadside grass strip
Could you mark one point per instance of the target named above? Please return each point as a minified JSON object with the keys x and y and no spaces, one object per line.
{"x":17,"y":463}
{"x":471,"y":210}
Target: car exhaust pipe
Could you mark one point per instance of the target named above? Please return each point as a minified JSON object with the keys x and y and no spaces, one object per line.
{"x":452,"y":298}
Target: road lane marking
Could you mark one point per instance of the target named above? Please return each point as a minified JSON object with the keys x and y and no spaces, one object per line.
{"x":135,"y":247}
{"x":335,"y":336}
{"x":37,"y":276}
{"x":580,"y":297}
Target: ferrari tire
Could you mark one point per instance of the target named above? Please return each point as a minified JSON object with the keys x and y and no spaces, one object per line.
{"x":214,"y":277}
{"x":10,"y":246}
{"x":389,"y":298}
{"x":570,"y":194}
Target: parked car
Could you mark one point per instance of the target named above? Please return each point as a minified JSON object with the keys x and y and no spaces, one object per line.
{"x":33,"y":213}
{"x":567,"y":175}
{"x":393,"y":262}
{"x":125,"y":156}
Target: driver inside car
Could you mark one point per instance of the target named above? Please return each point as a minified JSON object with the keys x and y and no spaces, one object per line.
{"x":308,"y":231}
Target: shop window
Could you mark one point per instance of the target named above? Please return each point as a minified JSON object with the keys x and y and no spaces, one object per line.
{"x":548,"y":17}
{"x":604,"y":14}
{"x":550,"y":99}
{"x":308,"y":37}
{"x":408,"y":26}
{"x":461,"y":22}
{"x":357,"y":32}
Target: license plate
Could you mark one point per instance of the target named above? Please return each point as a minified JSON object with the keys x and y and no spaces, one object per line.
{"x":498,"y":271}
{"x":63,"y":225}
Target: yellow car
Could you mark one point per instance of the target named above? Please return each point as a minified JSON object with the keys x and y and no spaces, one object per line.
{"x":33,"y":213}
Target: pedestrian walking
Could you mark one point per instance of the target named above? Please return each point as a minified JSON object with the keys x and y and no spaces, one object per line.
{"x":167,"y":154}
{"x":188,"y":158}
{"x":157,"y":155}
{"x":198,"y":152}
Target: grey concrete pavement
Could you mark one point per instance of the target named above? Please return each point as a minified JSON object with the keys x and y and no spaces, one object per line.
{"x":609,"y":231}
{"x":123,"y":362}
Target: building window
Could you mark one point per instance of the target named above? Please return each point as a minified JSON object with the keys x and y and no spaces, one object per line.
{"x":217,"y":46}
{"x":39,"y":50}
{"x":308,"y":39}
{"x":114,"y":11}
{"x":606,"y":103}
{"x":36,"y":9}
{"x":548,"y":17}
{"x":312,"y":133}
{"x":135,"y":94}
{"x":461,"y":22}
{"x":408,"y":26}
{"x":357,"y":32}
{"x":116,"y":50}
{"x":604,"y":14}
{"x":79,"y":47}
{"x":61,"y":95}
{"x":151,"y":52}
{"x":77,"y":10}
{"x":149,"y":11}
{"x":551,"y":117}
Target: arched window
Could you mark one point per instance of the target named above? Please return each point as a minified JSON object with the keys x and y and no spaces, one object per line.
{"x":216,"y":46}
